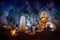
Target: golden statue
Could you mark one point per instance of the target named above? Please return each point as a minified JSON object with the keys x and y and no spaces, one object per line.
{"x":44,"y":19}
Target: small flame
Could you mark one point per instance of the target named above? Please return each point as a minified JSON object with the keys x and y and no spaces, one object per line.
{"x":13,"y":32}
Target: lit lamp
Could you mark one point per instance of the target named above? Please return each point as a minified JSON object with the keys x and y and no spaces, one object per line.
{"x":22,"y":26}
{"x":13,"y":32}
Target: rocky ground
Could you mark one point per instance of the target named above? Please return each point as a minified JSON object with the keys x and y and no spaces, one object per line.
{"x":44,"y":35}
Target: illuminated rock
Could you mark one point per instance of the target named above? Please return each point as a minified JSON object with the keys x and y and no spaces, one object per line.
{"x":51,"y":26}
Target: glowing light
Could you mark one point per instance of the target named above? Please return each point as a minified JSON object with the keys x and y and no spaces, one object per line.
{"x":51,"y":26}
{"x":28,"y":23}
{"x":13,"y":32}
{"x":22,"y":21}
{"x":43,"y":15}
{"x":22,"y":28}
{"x":42,"y":25}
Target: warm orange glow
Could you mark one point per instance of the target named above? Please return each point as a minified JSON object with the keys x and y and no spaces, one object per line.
{"x":44,"y":19}
{"x":13,"y":32}
{"x":44,"y":15}
{"x":22,"y":28}
{"x":42,"y":25}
